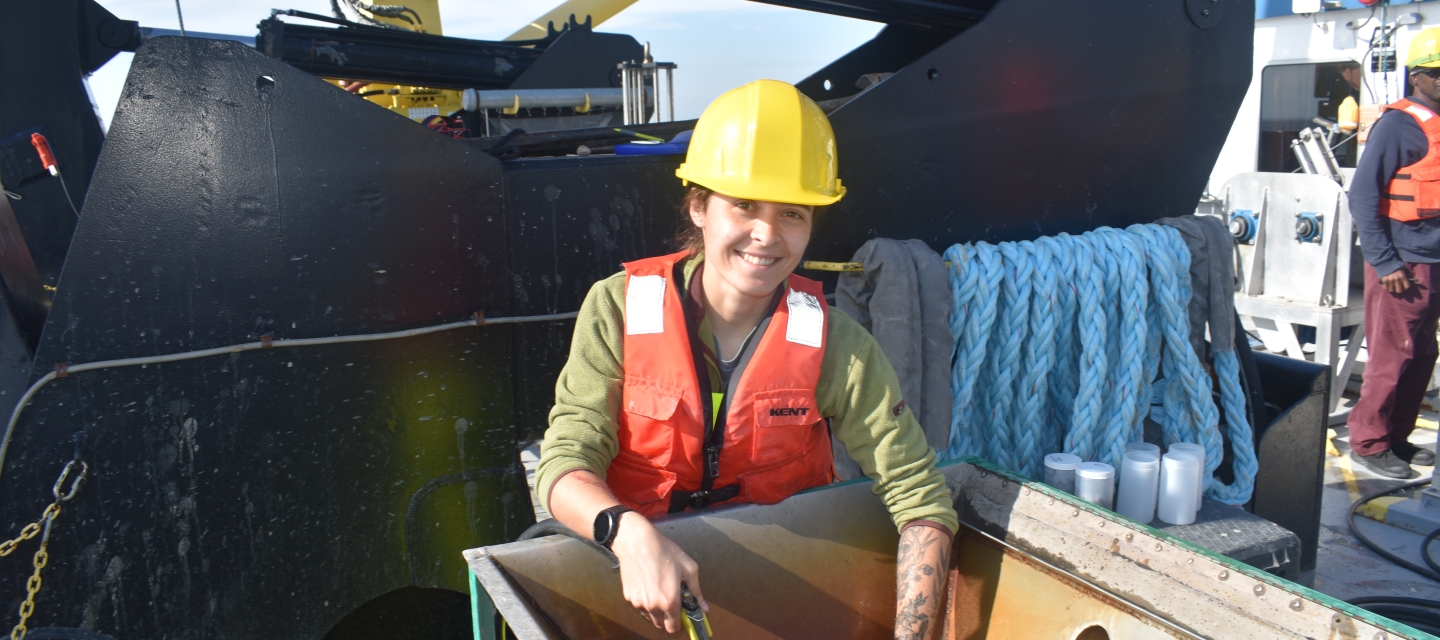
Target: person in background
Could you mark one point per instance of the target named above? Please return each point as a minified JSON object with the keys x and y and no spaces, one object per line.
{"x":1395,"y":203}
{"x":716,"y":376}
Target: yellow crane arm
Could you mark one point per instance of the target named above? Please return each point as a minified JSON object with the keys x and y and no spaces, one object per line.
{"x":598,"y":10}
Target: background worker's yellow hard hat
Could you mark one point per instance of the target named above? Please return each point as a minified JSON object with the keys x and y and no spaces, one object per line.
{"x":765,"y":141}
{"x":1424,"y":49}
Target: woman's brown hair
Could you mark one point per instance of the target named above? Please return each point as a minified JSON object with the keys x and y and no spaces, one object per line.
{"x":690,"y":237}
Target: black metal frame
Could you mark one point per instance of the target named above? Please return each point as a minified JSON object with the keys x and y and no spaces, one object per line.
{"x":227,"y":207}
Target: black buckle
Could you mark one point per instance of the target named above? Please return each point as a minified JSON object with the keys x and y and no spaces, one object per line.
{"x":712,"y":461}
{"x":682,"y":500}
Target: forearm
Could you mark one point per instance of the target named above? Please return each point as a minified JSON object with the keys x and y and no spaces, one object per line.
{"x":921,"y":566}
{"x":577,"y":497}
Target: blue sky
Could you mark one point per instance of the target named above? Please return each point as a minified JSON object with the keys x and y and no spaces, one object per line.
{"x":718,"y":44}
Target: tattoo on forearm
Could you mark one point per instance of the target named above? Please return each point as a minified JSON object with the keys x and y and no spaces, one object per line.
{"x":921,"y":567}
{"x":592,"y":480}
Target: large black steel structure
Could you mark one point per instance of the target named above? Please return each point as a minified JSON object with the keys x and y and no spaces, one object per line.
{"x":294,"y":493}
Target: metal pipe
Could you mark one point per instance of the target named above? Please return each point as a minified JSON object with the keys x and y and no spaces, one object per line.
{"x":477,"y":99}
{"x":670,"y":91}
{"x":625,"y":94}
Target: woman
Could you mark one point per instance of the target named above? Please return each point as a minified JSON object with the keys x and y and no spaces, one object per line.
{"x":705,"y":377}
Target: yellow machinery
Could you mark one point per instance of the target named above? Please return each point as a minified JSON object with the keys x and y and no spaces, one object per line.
{"x":418,"y":103}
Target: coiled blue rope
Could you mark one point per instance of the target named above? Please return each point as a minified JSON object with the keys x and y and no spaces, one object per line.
{"x":1090,"y":285}
{"x":1059,"y":343}
{"x":1062,"y":380}
{"x":1033,"y":389}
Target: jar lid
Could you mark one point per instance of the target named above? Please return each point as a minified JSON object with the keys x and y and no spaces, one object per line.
{"x":1182,"y":458}
{"x":1062,"y":461}
{"x":1188,"y":446}
{"x":1095,"y":471}
{"x":1142,"y":459}
{"x":1143,"y":446}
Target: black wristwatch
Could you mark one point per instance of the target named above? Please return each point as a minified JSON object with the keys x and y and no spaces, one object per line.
{"x":607,"y":524}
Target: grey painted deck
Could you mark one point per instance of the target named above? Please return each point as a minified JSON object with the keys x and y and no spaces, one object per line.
{"x":1347,"y":569}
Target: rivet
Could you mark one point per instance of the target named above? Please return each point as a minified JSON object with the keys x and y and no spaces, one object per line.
{"x":1338,"y":621}
{"x":1052,"y":501}
{"x":1381,"y":636}
{"x":1158,"y":547}
{"x":1075,"y":513}
{"x":1026,"y":491}
{"x":1297,"y":604}
{"x":1189,"y":561}
{"x":1129,"y":537}
{"x":1259,"y":589}
{"x":1102,"y":522}
{"x":1224,"y":575}
{"x":1004,"y":484}
{"x":1205,"y":12}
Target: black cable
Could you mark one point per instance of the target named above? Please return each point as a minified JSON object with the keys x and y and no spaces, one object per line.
{"x":1425,"y":551}
{"x":552,"y":527}
{"x":66,"y":190}
{"x":1418,"y":602}
{"x":1422,"y":619}
{"x":412,"y":510}
{"x":1350,"y":520}
{"x":1419,"y":613}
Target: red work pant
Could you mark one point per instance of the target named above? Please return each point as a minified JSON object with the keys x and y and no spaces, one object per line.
{"x":1400,"y":339}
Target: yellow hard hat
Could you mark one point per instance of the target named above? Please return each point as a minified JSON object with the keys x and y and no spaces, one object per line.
{"x":764,"y":141}
{"x":1424,"y":49}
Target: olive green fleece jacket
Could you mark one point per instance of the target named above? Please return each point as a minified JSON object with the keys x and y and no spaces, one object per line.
{"x":858,"y":389}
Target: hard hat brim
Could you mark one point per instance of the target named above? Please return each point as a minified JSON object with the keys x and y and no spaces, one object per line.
{"x":801,"y":197}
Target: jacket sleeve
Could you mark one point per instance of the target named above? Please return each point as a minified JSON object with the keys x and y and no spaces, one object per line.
{"x":860,"y":393}
{"x":582,"y":433}
{"x":1384,"y":155}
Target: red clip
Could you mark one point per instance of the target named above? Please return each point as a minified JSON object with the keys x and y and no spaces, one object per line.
{"x":266,"y":341}
{"x":62,"y":369}
{"x":47,"y":158}
{"x":479,"y":318}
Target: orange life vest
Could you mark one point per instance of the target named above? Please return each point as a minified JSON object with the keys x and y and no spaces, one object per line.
{"x":774,"y":443}
{"x":1414,"y":193}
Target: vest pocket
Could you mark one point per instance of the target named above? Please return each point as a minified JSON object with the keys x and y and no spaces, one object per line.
{"x":639,"y":484}
{"x":647,"y":398}
{"x":784,"y":421}
{"x":1425,"y":185}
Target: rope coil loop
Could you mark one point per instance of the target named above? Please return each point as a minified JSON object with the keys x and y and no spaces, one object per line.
{"x":1070,"y":342}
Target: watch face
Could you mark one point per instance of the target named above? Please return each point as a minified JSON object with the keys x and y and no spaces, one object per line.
{"x":604,"y":527}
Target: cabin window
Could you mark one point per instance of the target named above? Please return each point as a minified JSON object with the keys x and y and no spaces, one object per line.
{"x":1291,"y":96}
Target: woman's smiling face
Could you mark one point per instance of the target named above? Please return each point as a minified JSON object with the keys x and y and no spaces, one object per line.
{"x":753,"y":244}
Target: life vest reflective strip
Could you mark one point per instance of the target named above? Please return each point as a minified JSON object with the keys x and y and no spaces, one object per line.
{"x":775,"y":442}
{"x":1414,"y":191}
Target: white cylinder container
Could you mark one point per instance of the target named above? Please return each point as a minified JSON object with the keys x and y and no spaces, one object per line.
{"x":1138,"y":446}
{"x":1139,"y":486}
{"x":1176,"y":504}
{"x":1199,"y":452}
{"x":1142,"y":446}
{"x":1060,"y":471}
{"x":1095,"y":483}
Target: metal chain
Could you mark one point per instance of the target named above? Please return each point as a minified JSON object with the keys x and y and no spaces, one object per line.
{"x":42,"y":555}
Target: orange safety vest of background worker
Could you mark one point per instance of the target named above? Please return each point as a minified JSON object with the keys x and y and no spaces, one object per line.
{"x":1414,"y":194}
{"x":772,"y":443}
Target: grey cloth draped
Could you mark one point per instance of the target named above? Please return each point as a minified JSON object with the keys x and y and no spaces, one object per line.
{"x":903,"y":298}
{"x":1212,"y":282}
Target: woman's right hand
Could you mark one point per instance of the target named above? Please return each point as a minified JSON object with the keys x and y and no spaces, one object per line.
{"x":651,"y":569}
